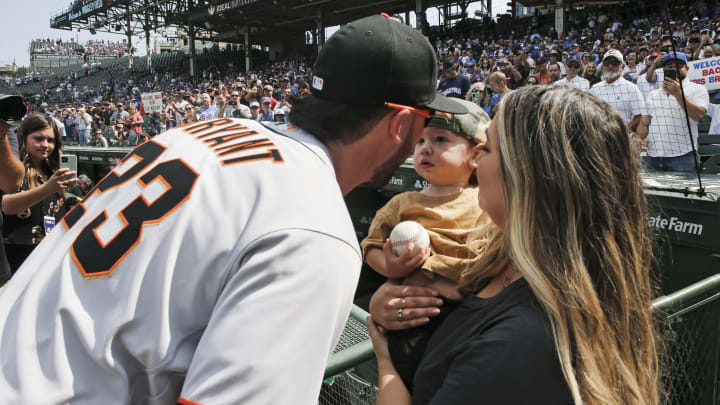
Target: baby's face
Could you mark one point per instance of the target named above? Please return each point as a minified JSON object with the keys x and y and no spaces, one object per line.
{"x":443,"y":157}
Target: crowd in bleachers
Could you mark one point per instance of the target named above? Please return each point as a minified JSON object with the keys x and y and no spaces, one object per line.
{"x":50,"y":46}
{"x":592,"y":31}
{"x":526,"y":51}
{"x":105,"y":48}
{"x":93,"y":47}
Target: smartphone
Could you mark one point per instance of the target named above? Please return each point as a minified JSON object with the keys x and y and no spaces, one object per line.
{"x":672,"y":74}
{"x":69,"y":162}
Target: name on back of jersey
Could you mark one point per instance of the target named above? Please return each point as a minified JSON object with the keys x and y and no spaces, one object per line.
{"x":232,"y":142}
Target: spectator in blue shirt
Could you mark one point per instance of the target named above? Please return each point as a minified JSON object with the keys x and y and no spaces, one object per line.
{"x":453,"y":84}
{"x":498,"y":84}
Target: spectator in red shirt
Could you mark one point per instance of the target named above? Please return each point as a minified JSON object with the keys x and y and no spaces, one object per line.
{"x":542,"y":75}
{"x":134,"y":120}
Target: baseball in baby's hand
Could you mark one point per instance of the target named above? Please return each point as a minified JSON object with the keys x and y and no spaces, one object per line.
{"x":406,"y":232}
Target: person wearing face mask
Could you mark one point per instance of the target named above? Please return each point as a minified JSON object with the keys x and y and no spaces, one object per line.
{"x":622,"y":95}
{"x":669,"y":147}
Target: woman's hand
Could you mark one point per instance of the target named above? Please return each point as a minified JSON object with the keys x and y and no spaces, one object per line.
{"x":60,"y":180}
{"x":398,"y":307}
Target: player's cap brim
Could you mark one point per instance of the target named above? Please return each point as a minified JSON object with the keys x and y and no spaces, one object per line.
{"x":444,"y":104}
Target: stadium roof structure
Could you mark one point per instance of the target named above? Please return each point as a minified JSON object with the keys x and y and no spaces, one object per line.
{"x":226,"y":20}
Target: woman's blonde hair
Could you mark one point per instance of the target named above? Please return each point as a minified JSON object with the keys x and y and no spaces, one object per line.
{"x":33,"y":123}
{"x":577,"y":231}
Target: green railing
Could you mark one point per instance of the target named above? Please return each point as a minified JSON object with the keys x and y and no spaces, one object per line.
{"x":691,"y":337}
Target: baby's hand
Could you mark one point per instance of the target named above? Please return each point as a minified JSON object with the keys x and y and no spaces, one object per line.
{"x":403,"y":265}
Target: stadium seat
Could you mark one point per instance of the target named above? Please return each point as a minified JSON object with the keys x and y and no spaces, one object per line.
{"x":712,"y":165}
{"x":708,"y":145}
{"x":704,"y":125}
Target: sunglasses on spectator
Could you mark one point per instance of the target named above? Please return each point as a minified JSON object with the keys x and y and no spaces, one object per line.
{"x":425,"y":113}
{"x":611,"y":62}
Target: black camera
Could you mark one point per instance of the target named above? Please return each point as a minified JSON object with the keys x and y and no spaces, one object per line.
{"x":12,"y":109}
{"x":671,"y":73}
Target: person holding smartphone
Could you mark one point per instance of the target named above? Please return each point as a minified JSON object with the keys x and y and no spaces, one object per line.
{"x":32,"y":212}
{"x":669,"y":148}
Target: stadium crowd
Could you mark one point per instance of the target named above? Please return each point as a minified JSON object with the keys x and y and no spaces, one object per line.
{"x":50,"y":46}
{"x":525,"y":55}
{"x":620,"y":59}
{"x":92,"y":47}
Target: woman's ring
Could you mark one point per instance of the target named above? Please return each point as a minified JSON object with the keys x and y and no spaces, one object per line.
{"x":400,"y":315}
{"x":403,"y":303}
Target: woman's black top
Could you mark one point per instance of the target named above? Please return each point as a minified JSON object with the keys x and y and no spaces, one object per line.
{"x":18,"y":229}
{"x":497,"y":350}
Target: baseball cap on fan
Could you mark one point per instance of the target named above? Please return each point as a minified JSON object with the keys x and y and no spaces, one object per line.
{"x":377,"y":60}
{"x":613,"y":53}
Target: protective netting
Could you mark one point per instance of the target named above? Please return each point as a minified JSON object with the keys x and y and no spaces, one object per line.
{"x":692,"y":343}
{"x":355,"y":332}
{"x":348,"y":388}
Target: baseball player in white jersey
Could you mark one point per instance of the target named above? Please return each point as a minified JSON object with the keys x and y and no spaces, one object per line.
{"x":216,"y":264}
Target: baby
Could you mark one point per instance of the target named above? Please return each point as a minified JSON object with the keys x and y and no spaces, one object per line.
{"x":448,"y":209}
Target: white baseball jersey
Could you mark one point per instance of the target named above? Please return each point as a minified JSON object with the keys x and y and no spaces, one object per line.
{"x":216,"y":264}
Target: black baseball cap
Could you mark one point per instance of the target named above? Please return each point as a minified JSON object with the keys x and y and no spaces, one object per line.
{"x":377,"y":60}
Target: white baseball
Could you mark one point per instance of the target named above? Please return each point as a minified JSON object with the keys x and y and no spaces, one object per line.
{"x":406,"y":232}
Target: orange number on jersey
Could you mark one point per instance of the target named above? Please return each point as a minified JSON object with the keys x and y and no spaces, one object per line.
{"x":95,"y":258}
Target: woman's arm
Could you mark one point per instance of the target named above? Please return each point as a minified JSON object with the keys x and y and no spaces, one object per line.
{"x":11,"y":169}
{"x":16,"y":203}
{"x":391,"y":389}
